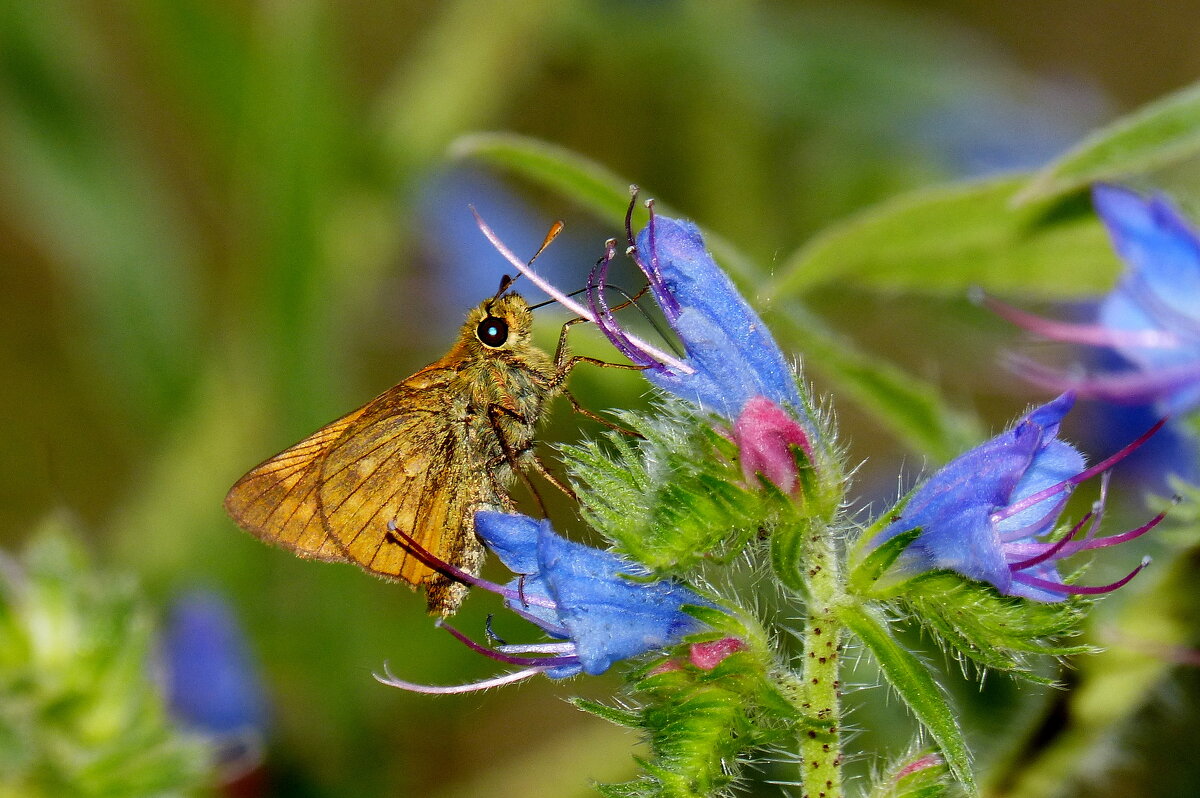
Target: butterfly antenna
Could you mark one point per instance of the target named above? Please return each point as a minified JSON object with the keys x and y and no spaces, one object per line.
{"x":506,"y":281}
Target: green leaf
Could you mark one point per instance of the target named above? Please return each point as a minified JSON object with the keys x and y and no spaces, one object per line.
{"x":914,"y":684}
{"x":943,"y":240}
{"x":1164,"y":132}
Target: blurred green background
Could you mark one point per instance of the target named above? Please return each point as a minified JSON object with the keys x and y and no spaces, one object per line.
{"x":223,"y":224}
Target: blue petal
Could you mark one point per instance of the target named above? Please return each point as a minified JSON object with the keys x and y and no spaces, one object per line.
{"x":1158,"y":244}
{"x":1056,"y":462}
{"x":610,"y":616}
{"x":954,"y":507}
{"x":512,"y":537}
{"x":734,"y":355}
{"x":1161,"y":289}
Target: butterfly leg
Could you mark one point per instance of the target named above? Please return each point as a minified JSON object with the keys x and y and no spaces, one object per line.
{"x":564,"y":363}
{"x":515,"y":457}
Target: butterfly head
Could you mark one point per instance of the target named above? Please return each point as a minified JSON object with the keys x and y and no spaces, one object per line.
{"x":502,"y":322}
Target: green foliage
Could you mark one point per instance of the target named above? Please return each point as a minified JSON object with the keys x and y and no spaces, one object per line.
{"x":946,"y":239}
{"x":1007,"y":633}
{"x":671,"y":499}
{"x":80,"y":714}
{"x":700,"y":724}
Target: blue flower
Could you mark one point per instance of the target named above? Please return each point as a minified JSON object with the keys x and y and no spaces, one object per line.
{"x":730,"y":356}
{"x":598,"y":606}
{"x":211,"y":680}
{"x":1151,"y":319}
{"x":212,"y":683}
{"x":982,"y":514}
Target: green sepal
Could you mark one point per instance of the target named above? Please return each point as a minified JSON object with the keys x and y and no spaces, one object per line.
{"x":673,"y":499}
{"x":860,"y":548}
{"x":872,"y":567}
{"x":701,"y":723}
{"x":787,"y":554}
{"x":628,"y":718}
{"x":913,"y":682}
{"x":918,"y":774}
{"x":976,"y":622}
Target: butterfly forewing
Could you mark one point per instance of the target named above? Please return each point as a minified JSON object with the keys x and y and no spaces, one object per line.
{"x":278,"y":499}
{"x":392,"y":466}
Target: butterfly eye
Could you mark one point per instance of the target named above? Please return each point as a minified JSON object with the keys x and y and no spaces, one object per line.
{"x":492,"y":331}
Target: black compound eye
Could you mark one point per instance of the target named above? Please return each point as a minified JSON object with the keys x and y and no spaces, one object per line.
{"x":492,"y":331}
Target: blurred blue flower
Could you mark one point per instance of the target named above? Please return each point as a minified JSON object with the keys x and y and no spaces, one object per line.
{"x":1151,"y":319}
{"x":212,"y":682}
{"x":599,"y":605}
{"x":983,"y":513}
{"x":730,"y":355}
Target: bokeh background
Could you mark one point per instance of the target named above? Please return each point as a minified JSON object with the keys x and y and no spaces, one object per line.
{"x":224,"y":224}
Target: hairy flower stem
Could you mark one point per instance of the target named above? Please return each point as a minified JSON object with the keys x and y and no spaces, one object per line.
{"x":821,"y":745}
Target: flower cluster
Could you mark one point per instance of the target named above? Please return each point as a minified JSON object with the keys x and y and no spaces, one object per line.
{"x":985,"y":514}
{"x":735,"y":368}
{"x":693,"y":490}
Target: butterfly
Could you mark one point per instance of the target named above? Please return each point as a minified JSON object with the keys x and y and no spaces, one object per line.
{"x":423,"y":455}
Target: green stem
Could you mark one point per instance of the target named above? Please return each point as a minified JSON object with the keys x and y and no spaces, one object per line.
{"x":821,"y":746}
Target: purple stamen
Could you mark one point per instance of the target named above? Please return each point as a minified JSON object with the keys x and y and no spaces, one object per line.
{"x":537,"y":662}
{"x":537,"y":648}
{"x":1079,"y":590}
{"x":1113,"y":540}
{"x":1075,"y":333}
{"x":1050,"y":549}
{"x":1131,"y":387}
{"x":457,"y":574}
{"x":598,"y":304}
{"x":1098,"y":510}
{"x":666,"y":300}
{"x":633,"y":194}
{"x":433,"y":689}
{"x":1082,"y":476}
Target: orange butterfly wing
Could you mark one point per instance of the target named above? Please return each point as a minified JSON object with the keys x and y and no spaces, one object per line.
{"x":278,"y":499}
{"x":402,"y":457}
